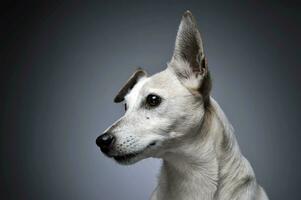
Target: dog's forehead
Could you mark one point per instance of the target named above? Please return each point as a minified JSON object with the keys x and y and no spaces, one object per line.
{"x":159,"y":80}
{"x":163,"y":83}
{"x":167,"y":82}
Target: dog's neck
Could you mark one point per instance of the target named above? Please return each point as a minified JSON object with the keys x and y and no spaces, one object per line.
{"x":196,"y":167}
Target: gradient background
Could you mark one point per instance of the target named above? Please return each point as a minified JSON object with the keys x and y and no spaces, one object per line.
{"x":63,"y":62}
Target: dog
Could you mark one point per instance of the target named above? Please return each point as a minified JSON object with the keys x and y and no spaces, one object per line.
{"x":172,"y":116}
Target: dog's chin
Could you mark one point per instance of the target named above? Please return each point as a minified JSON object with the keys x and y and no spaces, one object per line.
{"x":131,"y":158}
{"x":128,"y":159}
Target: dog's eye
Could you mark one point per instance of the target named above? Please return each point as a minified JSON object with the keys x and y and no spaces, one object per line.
{"x":125,"y":107}
{"x":153,"y":100}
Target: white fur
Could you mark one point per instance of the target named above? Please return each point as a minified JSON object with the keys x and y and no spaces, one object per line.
{"x":201,"y":157}
{"x":194,"y":163}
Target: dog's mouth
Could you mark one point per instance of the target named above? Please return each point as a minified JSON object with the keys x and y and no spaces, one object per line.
{"x":127,"y":158}
{"x":132,"y":157}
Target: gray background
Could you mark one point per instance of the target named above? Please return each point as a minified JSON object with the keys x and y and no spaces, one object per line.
{"x":63,"y":62}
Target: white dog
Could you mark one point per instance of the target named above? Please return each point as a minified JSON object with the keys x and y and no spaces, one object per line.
{"x":172,"y":116}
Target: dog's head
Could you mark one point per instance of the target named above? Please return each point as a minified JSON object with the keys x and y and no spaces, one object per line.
{"x":163,"y":109}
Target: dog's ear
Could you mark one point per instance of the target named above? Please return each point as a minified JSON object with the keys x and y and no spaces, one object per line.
{"x":188,"y":61}
{"x":139,"y":73}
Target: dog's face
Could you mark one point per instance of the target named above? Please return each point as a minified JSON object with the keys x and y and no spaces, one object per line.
{"x":163,"y":109}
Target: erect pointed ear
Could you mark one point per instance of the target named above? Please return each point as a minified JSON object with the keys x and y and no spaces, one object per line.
{"x":138,"y":74}
{"x":188,"y":61}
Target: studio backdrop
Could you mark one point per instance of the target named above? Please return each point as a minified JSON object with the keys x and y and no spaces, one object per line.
{"x":63,"y":62}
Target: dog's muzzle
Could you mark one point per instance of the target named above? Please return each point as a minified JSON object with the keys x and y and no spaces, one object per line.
{"x":105,"y":142}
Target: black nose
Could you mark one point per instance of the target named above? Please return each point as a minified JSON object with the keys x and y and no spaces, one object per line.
{"x":105,"y":141}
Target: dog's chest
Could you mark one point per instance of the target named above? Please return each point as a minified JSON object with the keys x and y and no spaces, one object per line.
{"x":187,"y":192}
{"x":191,"y":186}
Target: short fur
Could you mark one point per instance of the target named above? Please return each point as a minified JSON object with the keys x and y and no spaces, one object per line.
{"x":188,"y":130}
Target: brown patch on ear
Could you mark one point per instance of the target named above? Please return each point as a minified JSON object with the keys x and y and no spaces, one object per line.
{"x":129,"y":84}
{"x":206,"y":84}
